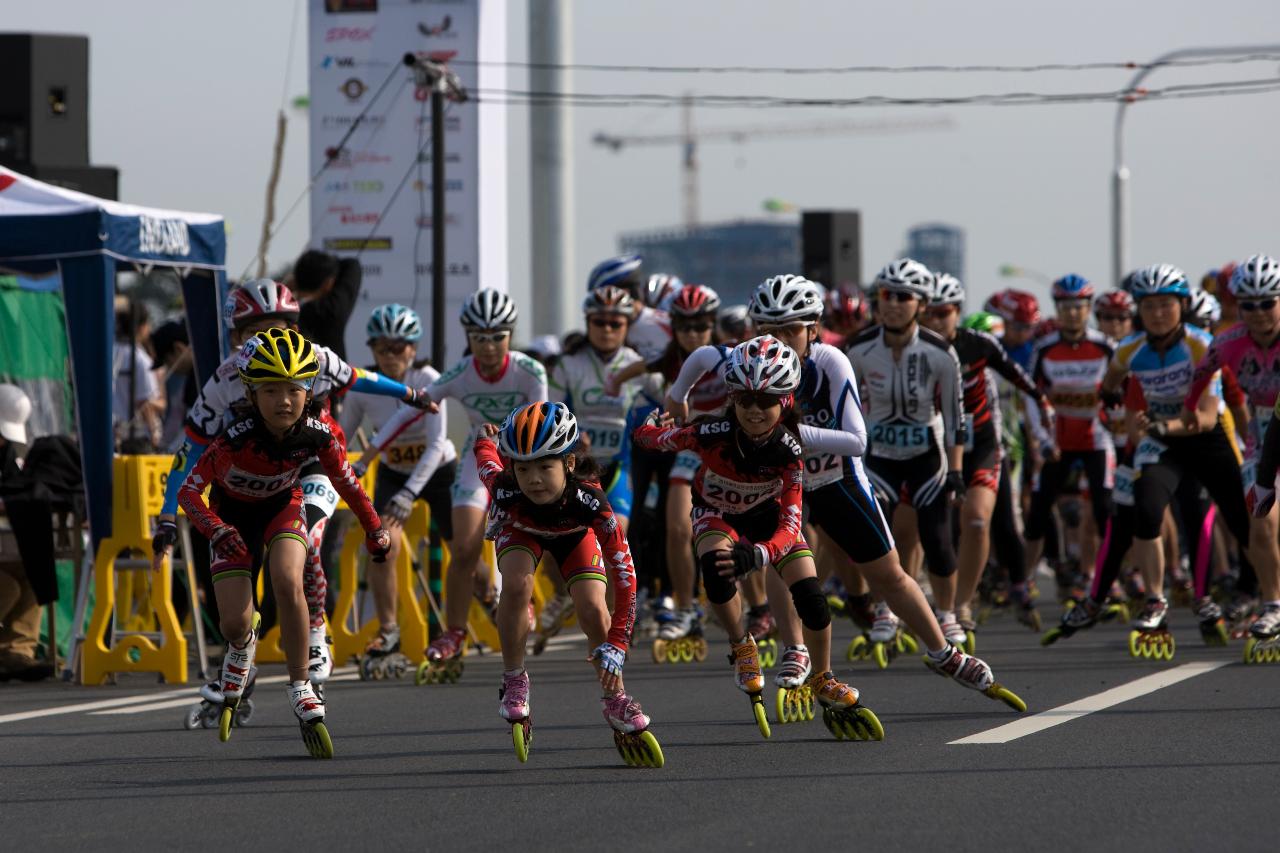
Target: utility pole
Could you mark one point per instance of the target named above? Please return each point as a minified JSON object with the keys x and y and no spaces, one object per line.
{"x":690,"y":170}
{"x":555,"y":288}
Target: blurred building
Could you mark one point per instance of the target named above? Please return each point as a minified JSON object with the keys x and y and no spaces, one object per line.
{"x":937,"y":246}
{"x":731,"y":258}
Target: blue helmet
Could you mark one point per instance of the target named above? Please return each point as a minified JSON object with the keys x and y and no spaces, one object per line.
{"x":1072,"y":286}
{"x":623,"y":271}
{"x":1160,"y":280}
{"x":394,"y":321}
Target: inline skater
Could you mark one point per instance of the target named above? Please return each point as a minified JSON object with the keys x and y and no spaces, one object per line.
{"x":550,"y":503}
{"x":839,"y":498}
{"x":419,"y":463}
{"x":660,"y":290}
{"x":256,"y":516}
{"x":650,"y":328}
{"x":485,"y":382}
{"x":1251,"y":350}
{"x":1114,"y":312}
{"x":1068,"y":365}
{"x":845,"y":313}
{"x":1160,"y":361}
{"x":747,"y":518}
{"x":979,"y":352}
{"x":912,"y":398}
{"x":254,"y":307}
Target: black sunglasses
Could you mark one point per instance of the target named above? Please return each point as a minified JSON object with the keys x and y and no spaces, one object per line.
{"x":692,"y":327}
{"x":1263,"y":305}
{"x":896,"y":296}
{"x":757,"y":400}
{"x":601,"y":323}
{"x":1112,"y":318}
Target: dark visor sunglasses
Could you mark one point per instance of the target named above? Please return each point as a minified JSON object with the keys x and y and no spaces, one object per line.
{"x":1261,"y":305}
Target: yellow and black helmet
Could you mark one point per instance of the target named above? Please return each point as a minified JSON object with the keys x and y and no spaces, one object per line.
{"x":277,"y":355}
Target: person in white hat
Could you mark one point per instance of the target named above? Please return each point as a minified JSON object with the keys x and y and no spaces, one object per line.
{"x":15,"y":408}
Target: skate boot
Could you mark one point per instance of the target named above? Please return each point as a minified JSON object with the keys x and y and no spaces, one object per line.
{"x":1077,"y":618}
{"x":1150,"y":637}
{"x":680,"y":640}
{"x":382,"y":658}
{"x":1024,"y":607}
{"x":635,"y":743}
{"x":763,"y":629}
{"x":964,"y":616}
{"x":1240,"y":616}
{"x":952,"y":630}
{"x":1182,"y":592}
{"x":309,"y":710}
{"x":841,"y":713}
{"x":514,"y":708}
{"x":320,"y":660}
{"x":204,"y":714}
{"x":863,"y":614}
{"x":237,"y":668}
{"x":887,"y":638}
{"x":1213,"y":628}
{"x":552,"y":618}
{"x":444,"y":659}
{"x":749,"y":679}
{"x":795,"y":699}
{"x":1263,"y":645}
{"x":972,"y":672}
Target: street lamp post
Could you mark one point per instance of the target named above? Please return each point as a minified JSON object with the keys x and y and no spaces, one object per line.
{"x":1120,"y":174}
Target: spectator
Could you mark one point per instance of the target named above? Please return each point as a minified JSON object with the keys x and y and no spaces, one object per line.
{"x":19,"y":610}
{"x":327,"y":288}
{"x":138,"y":403}
{"x":172,"y":350}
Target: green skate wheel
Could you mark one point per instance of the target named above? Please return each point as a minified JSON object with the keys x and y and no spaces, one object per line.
{"x":639,"y":749}
{"x":686,"y":650}
{"x":1052,"y":636}
{"x":673,"y":651}
{"x":762,"y":719}
{"x":782,"y":705}
{"x":700,"y":649}
{"x":316,"y":737}
{"x":909,"y":643}
{"x":1136,"y":648}
{"x":970,"y":643}
{"x":420,"y":676}
{"x":880,"y":652}
{"x":1249,"y":645}
{"x":871,"y":724}
{"x":225,"y":718}
{"x":522,"y":738}
{"x":659,"y":650}
{"x":858,"y":649}
{"x":1007,"y":696}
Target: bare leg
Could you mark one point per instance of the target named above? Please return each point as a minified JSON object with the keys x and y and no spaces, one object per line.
{"x":679,"y":536}
{"x":513,"y":605}
{"x":286,"y":561}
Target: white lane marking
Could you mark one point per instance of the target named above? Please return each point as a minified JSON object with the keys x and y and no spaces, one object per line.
{"x":188,"y":699}
{"x":1091,"y":704}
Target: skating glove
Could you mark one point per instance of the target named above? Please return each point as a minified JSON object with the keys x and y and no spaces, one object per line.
{"x":360,"y":468}
{"x":166,"y":535}
{"x":611,"y":658}
{"x":1260,"y":500}
{"x":229,"y":545}
{"x":400,"y":505}
{"x":1111,"y":399}
{"x":747,"y":558}
{"x":418,"y":399}
{"x":954,"y":485}
{"x":378,"y":544}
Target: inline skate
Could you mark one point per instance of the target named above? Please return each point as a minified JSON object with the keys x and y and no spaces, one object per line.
{"x":1150,"y":637}
{"x":513,"y":698}
{"x":1024,"y":607}
{"x":551,"y":620}
{"x":205,"y":713}
{"x":863,"y":613}
{"x":1263,"y":645}
{"x":1083,"y":615}
{"x":972,"y":672}
{"x":887,"y":638}
{"x":382,"y":657}
{"x":1213,"y":627}
{"x":764,"y":630}
{"x":964,"y":616}
{"x":237,"y":669}
{"x":843,"y":716}
{"x":631,"y":736}
{"x":309,"y":710}
{"x":319,"y":658}
{"x":794,"y":699}
{"x":680,"y":640}
{"x":750,"y":680}
{"x":952,"y":630}
{"x":444,"y":659}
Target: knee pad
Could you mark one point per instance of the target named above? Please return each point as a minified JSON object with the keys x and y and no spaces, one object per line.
{"x":719,"y":589}
{"x":811,"y":604}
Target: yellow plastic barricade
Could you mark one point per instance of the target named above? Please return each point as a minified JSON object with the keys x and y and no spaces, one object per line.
{"x":142,"y":602}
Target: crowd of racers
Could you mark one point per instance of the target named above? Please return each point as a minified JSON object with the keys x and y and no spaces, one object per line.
{"x":819,"y":450}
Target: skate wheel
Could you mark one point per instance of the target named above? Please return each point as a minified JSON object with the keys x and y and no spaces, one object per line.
{"x":762,"y":719}
{"x":659,"y":650}
{"x":1007,"y":696}
{"x":880,"y":652}
{"x":1248,"y":649}
{"x":673,"y":651}
{"x":317,"y":740}
{"x":768,"y":653}
{"x":1135,"y":645}
{"x":244,"y":712}
{"x":195,"y":716}
{"x":522,"y":737}
{"x":422,"y":673}
{"x":224,"y":724}
{"x":970,"y":643}
{"x":909,"y":643}
{"x":639,"y":749}
{"x":1052,"y":636}
{"x":857,"y":649}
{"x":700,"y":649}
{"x":209,"y":718}
{"x":686,"y":650}
{"x":782,"y":705}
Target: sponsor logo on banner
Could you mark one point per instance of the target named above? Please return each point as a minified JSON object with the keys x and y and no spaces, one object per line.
{"x":347,"y":159}
{"x":452,"y":124}
{"x":371,"y":270}
{"x":451,"y":185}
{"x":335,"y":7}
{"x":163,"y":236}
{"x":353,"y":88}
{"x":449,"y":157}
{"x":352,"y":62}
{"x":349,"y":216}
{"x":425,"y":221}
{"x":441,"y":28}
{"x":455,"y":269}
{"x":357,"y":244}
{"x":354,"y":34}
{"x":329,"y":122}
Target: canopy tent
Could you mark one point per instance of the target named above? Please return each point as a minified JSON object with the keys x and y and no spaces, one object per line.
{"x":45,"y":229}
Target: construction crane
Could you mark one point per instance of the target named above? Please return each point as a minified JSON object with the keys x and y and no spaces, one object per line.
{"x":689,"y":139}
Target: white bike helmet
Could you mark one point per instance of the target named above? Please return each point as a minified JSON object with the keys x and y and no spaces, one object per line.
{"x":947,"y":290}
{"x":786,"y":299}
{"x":489,"y":309}
{"x":537,"y":430}
{"x":662,"y":288}
{"x":1258,"y":277}
{"x":1206,"y":310}
{"x":394,"y":321}
{"x":906,"y":276}
{"x":1159,"y":280}
{"x":764,"y":364}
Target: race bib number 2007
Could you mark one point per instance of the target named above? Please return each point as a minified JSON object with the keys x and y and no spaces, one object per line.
{"x":734,"y":496}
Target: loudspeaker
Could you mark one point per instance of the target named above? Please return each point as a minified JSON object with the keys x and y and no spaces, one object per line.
{"x":831,"y":247}
{"x":44,"y":99}
{"x":100,"y":181}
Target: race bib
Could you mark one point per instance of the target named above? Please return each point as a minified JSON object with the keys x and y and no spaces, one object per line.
{"x":733,"y":496}
{"x":899,"y":440}
{"x":605,"y":437}
{"x":258,"y":485}
{"x":822,"y":469}
{"x":403,"y":457}
{"x":318,"y":492}
{"x":1122,"y":491}
{"x":1148,"y":452}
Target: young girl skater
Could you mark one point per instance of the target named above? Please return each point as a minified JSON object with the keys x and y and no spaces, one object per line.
{"x":549,"y":503}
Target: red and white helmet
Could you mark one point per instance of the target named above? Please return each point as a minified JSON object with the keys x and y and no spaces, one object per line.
{"x":1015,"y":306}
{"x":694,"y":300}
{"x":259,"y":299}
{"x":1115,"y":301}
{"x":764,"y":365}
{"x":661,"y":289}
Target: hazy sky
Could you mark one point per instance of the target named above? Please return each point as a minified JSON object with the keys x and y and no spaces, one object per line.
{"x":184,"y":95}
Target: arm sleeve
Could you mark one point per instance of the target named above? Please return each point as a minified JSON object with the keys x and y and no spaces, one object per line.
{"x":1232,"y":394}
{"x":437,"y":444}
{"x":699,"y":362}
{"x":370,"y":382}
{"x":847,"y":434}
{"x":951,"y":401}
{"x":789,"y":518}
{"x":999,"y":361}
{"x":191,"y":497}
{"x":333,"y":458}
{"x":184,"y":462}
{"x":622,"y":574}
{"x":488,"y":462}
{"x":666,"y":439}
{"x":1208,"y":366}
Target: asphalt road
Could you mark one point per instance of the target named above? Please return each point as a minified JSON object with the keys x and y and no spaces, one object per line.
{"x":1183,"y":767}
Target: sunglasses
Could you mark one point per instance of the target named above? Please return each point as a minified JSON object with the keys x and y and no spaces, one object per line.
{"x":1112,"y":318}
{"x":487,"y":337}
{"x":756,"y":400}
{"x":1263,"y":305}
{"x":896,"y":296}
{"x":389,"y":347}
{"x":692,"y":327}
{"x":601,"y":323}
{"x":787,"y":329}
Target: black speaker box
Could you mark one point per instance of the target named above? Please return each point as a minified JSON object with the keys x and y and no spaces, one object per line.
{"x":831,"y":247}
{"x":44,"y":99}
